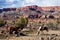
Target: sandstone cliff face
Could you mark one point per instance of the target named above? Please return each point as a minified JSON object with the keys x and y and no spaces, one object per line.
{"x":54,"y":8}
{"x":32,"y":8}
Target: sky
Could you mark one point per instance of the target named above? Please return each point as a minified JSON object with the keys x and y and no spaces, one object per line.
{"x":23,"y":3}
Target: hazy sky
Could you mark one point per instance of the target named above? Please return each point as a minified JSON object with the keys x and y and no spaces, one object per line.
{"x":22,"y":3}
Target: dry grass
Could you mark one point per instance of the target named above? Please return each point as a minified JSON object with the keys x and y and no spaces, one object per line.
{"x":39,"y":37}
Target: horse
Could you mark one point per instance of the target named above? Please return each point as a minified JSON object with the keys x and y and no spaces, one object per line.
{"x":14,"y":30}
{"x":11,"y":29}
{"x":42,"y":29}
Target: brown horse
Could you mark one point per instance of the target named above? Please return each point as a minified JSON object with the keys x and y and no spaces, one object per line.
{"x":12,"y":29}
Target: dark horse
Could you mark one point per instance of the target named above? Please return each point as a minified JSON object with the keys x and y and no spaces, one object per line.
{"x":14,"y":29}
{"x":42,"y":29}
{"x":11,"y":29}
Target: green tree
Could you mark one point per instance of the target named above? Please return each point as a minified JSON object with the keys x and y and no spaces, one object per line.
{"x":2,"y":23}
{"x":22,"y":22}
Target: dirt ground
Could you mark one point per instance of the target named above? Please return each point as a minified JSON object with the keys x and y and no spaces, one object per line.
{"x":52,"y":35}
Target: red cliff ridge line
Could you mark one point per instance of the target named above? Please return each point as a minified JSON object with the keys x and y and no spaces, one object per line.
{"x":55,"y":8}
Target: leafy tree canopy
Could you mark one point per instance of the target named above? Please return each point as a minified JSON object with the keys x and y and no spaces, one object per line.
{"x":22,"y":22}
{"x":2,"y":23}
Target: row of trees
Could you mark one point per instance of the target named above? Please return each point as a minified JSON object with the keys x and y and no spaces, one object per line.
{"x":22,"y":22}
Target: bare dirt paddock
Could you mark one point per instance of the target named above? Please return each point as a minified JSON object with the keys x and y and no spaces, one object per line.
{"x":51,"y":35}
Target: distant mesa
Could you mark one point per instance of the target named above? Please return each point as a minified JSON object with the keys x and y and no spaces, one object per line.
{"x":7,"y":9}
{"x":32,"y":8}
{"x":1,"y":10}
{"x":37,"y":8}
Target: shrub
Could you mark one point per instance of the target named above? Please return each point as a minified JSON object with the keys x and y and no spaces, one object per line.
{"x":2,"y":23}
{"x":22,"y":22}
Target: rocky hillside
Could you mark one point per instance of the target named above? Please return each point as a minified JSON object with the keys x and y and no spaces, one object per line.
{"x":37,"y":8}
{"x":33,"y":8}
